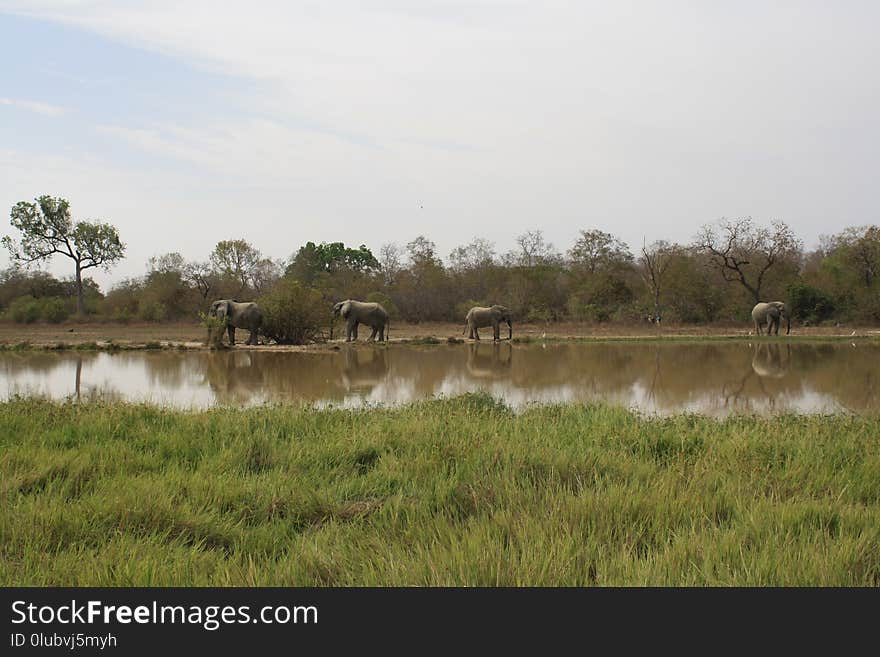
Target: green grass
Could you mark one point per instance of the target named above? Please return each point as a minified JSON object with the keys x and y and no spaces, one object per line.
{"x":447,"y":492}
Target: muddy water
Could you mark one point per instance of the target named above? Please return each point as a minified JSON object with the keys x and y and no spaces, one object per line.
{"x":711,"y":378}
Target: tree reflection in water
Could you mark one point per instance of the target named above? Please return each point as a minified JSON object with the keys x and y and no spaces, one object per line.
{"x":715,"y":378}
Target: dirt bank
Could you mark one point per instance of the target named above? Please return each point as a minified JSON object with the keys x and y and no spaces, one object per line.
{"x":192,"y":335}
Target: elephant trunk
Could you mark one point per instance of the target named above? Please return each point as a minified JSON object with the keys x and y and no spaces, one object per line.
{"x":787,"y":323}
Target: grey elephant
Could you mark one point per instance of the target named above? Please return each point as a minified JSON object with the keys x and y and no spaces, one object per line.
{"x":479,"y":317}
{"x":770,"y":314}
{"x":359,"y":312}
{"x":246,"y":315}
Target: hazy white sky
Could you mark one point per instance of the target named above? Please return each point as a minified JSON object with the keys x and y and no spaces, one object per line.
{"x":184,"y":123}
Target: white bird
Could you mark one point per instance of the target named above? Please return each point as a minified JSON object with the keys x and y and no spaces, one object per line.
{"x":543,"y":335}
{"x":853,"y":333}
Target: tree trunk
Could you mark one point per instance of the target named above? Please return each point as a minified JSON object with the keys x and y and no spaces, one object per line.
{"x":80,"y":301}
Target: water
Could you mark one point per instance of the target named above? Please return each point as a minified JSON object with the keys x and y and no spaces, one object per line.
{"x":711,"y":378}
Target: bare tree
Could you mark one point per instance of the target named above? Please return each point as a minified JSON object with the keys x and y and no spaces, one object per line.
{"x":533,"y":250}
{"x":654,"y":261}
{"x":744,"y":253}
{"x":201,"y":275}
{"x":266,"y":273}
{"x":390,"y":261}
{"x":479,"y":254}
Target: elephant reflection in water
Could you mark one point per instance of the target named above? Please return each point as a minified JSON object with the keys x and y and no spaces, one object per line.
{"x":489,"y":360}
{"x":363,"y":368}
{"x":771,"y":360}
{"x":234,"y":376}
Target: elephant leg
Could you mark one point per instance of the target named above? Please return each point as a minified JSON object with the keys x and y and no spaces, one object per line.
{"x":496,"y":332}
{"x":350,"y":328}
{"x":231,"y":331}
{"x":252,"y":338}
{"x":476,"y":333}
{"x":757,"y":328}
{"x":382,"y":334}
{"x":373,"y":333}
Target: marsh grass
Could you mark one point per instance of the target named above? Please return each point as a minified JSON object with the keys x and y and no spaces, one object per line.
{"x":449,"y":492}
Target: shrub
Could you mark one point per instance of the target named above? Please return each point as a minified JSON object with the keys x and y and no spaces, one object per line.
{"x":24,"y":310}
{"x":54,"y":310}
{"x":152,"y":311}
{"x":809,"y":303}
{"x":293,"y":313}
{"x":216,"y":329}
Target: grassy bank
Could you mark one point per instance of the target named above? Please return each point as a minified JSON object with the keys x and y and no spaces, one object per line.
{"x":445,"y":492}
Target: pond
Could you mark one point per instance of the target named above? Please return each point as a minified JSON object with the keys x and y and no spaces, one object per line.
{"x":712,"y":378}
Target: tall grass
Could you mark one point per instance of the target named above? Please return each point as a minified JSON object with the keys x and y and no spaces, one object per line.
{"x":447,"y":492}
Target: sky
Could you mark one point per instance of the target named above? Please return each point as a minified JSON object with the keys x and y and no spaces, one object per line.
{"x":280,"y":122}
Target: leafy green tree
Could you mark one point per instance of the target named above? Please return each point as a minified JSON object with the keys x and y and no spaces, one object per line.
{"x":596,"y":251}
{"x":47,"y":229}
{"x":312,"y":260}
{"x":236,"y":260}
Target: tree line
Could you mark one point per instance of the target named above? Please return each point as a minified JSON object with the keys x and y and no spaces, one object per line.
{"x":716,"y":278}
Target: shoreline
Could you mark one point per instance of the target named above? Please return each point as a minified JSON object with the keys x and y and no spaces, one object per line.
{"x":186,"y":337}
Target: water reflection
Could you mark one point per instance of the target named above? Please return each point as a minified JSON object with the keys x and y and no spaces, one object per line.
{"x":771,"y":359}
{"x":712,"y":378}
{"x":489,"y":361}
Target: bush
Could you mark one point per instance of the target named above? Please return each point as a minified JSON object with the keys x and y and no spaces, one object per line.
{"x":293,"y":313}
{"x":55,"y":310}
{"x":809,"y":303}
{"x":152,"y":311}
{"x":24,"y":310}
{"x":216,"y":330}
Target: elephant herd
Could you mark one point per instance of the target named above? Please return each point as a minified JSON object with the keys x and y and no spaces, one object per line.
{"x":247,"y":315}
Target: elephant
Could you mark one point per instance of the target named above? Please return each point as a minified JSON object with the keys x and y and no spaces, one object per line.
{"x":479,"y":317}
{"x":771,"y":313}
{"x":246,"y":315}
{"x":359,"y":312}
